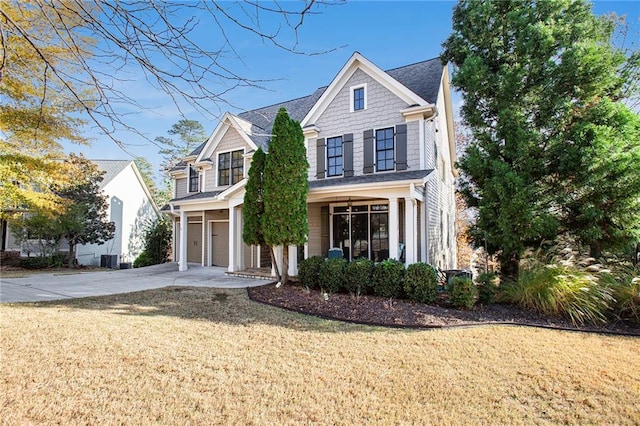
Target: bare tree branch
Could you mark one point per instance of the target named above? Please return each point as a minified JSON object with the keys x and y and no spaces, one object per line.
{"x":152,"y":41}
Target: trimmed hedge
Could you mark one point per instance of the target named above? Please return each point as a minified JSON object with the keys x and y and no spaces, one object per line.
{"x":309,"y":271}
{"x":388,"y":277}
{"x":421,"y":283}
{"x":358,"y":276}
{"x":331,"y":275}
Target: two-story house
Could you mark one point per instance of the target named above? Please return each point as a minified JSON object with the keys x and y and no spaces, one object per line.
{"x":381,"y":151}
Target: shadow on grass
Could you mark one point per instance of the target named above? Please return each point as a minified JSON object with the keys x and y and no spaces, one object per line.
{"x":229,"y":306}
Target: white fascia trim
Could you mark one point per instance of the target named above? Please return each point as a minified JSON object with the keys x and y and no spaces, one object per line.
{"x":449,"y":118}
{"x":243,"y":128}
{"x":224,"y":195}
{"x":365,"y":186}
{"x":357,"y":61}
{"x":144,"y":188}
{"x":311,"y":132}
{"x":418,"y":112}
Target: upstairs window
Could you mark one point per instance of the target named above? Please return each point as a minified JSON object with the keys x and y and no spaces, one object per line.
{"x":194,"y":179}
{"x":230,"y":167}
{"x":384,"y":149}
{"x":358,"y":98}
{"x":334,"y":156}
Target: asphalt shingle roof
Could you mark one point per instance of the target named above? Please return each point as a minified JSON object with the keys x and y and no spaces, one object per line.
{"x":422,"y":78}
{"x":371,"y":178}
{"x":197,"y":195}
{"x":112,"y":168}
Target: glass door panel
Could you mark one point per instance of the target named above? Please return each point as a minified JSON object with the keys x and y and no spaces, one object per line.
{"x":360,"y":235}
{"x":379,"y":236}
{"x":341,"y":233}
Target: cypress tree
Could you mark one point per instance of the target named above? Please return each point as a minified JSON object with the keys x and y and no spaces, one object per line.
{"x":285,"y":188}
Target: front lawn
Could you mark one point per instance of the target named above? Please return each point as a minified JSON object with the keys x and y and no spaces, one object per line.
{"x":210,"y":356}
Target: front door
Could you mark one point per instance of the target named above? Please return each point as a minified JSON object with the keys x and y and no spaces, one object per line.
{"x":194,"y":243}
{"x":220,"y":243}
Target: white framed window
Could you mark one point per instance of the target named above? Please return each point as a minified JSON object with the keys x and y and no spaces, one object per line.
{"x":384,"y":149}
{"x":358,"y":97}
{"x":230,"y":167}
{"x":194,"y":179}
{"x":334,"y":156}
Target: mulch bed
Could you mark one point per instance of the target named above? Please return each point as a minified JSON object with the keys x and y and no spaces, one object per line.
{"x":379,"y":311}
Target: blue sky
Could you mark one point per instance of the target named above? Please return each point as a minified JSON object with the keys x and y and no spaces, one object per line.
{"x":390,"y":34}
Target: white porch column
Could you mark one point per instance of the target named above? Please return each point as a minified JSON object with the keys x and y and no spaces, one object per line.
{"x":293,"y":260}
{"x":277,"y":252}
{"x":394,"y":228}
{"x":410,"y":237}
{"x":182,"y":263}
{"x":424,"y":254}
{"x":233,"y":240}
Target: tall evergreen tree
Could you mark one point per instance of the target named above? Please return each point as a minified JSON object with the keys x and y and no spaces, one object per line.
{"x":285,"y":188}
{"x":530,"y":72}
{"x":253,"y":207}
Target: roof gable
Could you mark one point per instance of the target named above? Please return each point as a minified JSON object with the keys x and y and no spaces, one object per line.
{"x":242,"y":126}
{"x":357,"y":61}
{"x":113,"y":168}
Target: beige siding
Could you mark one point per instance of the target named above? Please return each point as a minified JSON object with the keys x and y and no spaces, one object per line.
{"x":315,"y":243}
{"x":231,"y":141}
{"x":181,"y":187}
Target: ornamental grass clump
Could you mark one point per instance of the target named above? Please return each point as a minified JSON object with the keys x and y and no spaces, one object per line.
{"x":358,"y":276}
{"x":421,"y":283}
{"x":331,"y":275}
{"x":560,"y":290}
{"x":388,"y":277}
{"x":309,"y":271}
{"x":462,"y":292}
{"x":625,"y":288}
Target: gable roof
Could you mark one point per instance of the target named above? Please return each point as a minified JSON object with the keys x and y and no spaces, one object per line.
{"x":421,"y":79}
{"x":112,"y":168}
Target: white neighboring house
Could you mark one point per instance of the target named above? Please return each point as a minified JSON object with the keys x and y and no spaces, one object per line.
{"x":131,"y":208}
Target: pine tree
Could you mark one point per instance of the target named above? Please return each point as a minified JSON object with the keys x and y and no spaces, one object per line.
{"x":530,"y":72}
{"x":285,"y":188}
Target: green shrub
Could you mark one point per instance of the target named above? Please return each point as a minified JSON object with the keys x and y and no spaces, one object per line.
{"x":309,"y":270}
{"x":559,"y":290}
{"x":462,"y":292}
{"x":331,"y":275}
{"x":143,"y":259}
{"x":421,"y":282}
{"x":358,"y":276}
{"x":157,"y":242}
{"x":388,"y":277}
{"x":487,"y":287}
{"x":39,"y":262}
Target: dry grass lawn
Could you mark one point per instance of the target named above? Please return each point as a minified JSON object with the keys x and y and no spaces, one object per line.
{"x":208,"y":356}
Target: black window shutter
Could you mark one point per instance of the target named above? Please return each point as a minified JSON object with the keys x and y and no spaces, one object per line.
{"x":368,"y":151}
{"x":347,"y":152}
{"x":401,"y":147}
{"x":320,"y":158}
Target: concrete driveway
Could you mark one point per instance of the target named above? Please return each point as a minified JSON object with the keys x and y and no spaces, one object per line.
{"x":62,"y":285}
